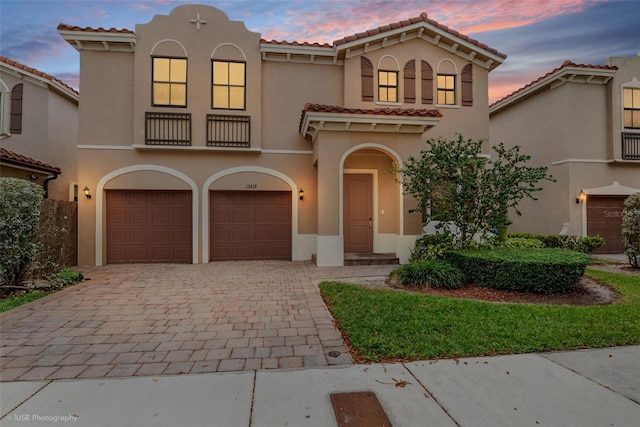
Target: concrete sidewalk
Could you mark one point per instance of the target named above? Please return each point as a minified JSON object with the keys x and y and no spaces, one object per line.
{"x":579,"y":388}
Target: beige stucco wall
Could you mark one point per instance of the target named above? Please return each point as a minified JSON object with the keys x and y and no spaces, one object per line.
{"x":280,"y":158}
{"x":49,"y":130}
{"x":574,"y":130}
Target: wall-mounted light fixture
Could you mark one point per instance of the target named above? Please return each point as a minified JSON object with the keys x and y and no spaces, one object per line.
{"x":87,"y":192}
{"x":581,"y":197}
{"x":34,"y":177}
{"x":301,"y":194}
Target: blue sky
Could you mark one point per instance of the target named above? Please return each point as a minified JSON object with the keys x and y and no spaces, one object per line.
{"x":537,"y":35}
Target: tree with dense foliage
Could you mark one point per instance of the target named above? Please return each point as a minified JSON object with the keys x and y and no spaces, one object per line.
{"x":455,"y":184}
{"x":631,"y":229}
{"x":19,"y":214}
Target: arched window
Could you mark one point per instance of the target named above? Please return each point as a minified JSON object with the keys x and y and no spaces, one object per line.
{"x":427,"y":82}
{"x":366,"y":74}
{"x":228,"y":78}
{"x":410,"y":82}
{"x":169,"y":74}
{"x":467,"y":85}
{"x":446,"y":83}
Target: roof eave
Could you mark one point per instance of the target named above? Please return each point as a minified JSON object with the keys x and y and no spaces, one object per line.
{"x":424,"y":31}
{"x":562,"y":76}
{"x":101,"y":41}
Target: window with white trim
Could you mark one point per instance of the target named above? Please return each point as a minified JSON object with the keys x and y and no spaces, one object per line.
{"x":446,"y":89}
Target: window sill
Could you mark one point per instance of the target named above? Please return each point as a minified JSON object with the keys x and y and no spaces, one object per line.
{"x":195,"y":148}
{"x":395,"y":104}
{"x":456,"y":106}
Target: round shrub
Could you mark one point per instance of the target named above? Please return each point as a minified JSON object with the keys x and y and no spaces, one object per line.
{"x":433,"y":246}
{"x":521,"y":242}
{"x":429,"y":273}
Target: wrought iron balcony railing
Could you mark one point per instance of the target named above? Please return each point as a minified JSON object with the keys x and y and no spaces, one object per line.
{"x":228,"y":131}
{"x":630,"y":146}
{"x":167,"y":129}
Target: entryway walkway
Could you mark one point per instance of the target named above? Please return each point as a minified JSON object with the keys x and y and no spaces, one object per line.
{"x":165,"y":319}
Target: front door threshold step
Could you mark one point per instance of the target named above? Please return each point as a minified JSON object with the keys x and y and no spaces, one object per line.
{"x":366,"y":259}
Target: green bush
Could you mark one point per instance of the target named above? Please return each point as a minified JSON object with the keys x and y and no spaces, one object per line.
{"x":434,"y":246}
{"x":64,"y":278}
{"x":581,"y":244}
{"x":429,"y":273}
{"x":521,"y":242}
{"x":19,"y":214}
{"x":545,"y":271}
{"x":631,"y":229}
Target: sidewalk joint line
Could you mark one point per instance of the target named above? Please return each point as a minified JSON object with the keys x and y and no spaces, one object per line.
{"x":431,"y":395}
{"x":25,"y":400}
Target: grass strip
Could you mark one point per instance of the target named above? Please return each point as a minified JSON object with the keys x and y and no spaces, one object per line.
{"x":18,"y":300}
{"x":390,"y":325}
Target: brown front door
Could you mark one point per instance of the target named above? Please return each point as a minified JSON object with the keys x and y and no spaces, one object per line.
{"x":148,"y":226}
{"x":250,"y":225}
{"x":604,"y":219}
{"x":358,"y":213}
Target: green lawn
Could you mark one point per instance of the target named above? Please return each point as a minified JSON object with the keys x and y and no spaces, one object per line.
{"x":15,"y":301}
{"x":386,"y":325}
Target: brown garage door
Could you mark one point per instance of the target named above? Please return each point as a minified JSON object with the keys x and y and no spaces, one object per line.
{"x":148,"y":226}
{"x":604,"y":218}
{"x":250,"y":225}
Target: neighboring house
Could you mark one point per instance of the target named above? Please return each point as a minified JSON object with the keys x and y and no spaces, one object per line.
{"x":38,"y":129}
{"x":201,"y":142}
{"x":583,"y":122}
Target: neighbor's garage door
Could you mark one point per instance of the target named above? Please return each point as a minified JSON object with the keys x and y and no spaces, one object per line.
{"x":250,"y":225}
{"x":604,"y":218}
{"x":148,"y":226}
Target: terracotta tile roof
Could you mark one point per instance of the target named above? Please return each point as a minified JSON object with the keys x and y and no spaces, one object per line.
{"x":37,"y":73}
{"x":407,"y":112}
{"x":19,"y":159}
{"x":65,"y":27}
{"x":286,"y":43}
{"x":565,"y":64}
{"x":405,"y":23}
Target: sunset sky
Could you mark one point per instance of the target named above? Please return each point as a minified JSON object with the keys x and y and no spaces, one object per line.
{"x":536,"y":35}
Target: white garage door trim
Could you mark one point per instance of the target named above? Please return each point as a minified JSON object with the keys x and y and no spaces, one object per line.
{"x":205,"y":205}
{"x":100,"y":202}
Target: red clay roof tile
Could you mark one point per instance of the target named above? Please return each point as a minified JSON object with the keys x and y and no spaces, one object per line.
{"x":565,"y":64}
{"x":37,"y":73}
{"x":19,"y":159}
{"x":409,"y":112}
{"x":65,"y":27}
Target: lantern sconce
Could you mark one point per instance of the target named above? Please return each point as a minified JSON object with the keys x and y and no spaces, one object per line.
{"x":301,"y":194}
{"x":581,"y":197}
{"x":87,"y":192}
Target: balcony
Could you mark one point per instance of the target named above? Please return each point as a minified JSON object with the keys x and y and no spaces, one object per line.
{"x":167,"y":129}
{"x":228,"y":131}
{"x":630,"y":146}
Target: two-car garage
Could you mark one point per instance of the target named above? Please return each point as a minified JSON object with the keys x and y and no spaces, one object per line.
{"x":155,"y":226}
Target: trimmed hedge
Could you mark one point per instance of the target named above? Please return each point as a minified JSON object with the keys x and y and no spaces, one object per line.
{"x":585,"y":244}
{"x":544,"y":271}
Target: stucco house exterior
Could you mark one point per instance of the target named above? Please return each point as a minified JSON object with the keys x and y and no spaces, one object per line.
{"x":583,"y":122}
{"x":38,"y":129}
{"x":200,"y":141}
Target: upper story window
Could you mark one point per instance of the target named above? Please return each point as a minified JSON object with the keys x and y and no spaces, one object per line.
{"x":446,"y":89}
{"x":169,"y":82}
{"x":387,"y":86}
{"x":631,"y":105}
{"x":366,"y":76}
{"x":228,"y":85}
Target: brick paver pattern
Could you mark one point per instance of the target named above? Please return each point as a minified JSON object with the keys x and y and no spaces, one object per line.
{"x":166,"y":319}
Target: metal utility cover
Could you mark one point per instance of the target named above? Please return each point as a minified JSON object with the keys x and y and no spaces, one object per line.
{"x":359,"y":409}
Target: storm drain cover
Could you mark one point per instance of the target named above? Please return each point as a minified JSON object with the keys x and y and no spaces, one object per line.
{"x":358,"y":409}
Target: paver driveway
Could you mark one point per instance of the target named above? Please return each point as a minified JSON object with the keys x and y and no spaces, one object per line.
{"x":160,"y":319}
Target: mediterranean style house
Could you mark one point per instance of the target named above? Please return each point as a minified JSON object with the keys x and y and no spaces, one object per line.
{"x":583,"y":122}
{"x":38,"y":129}
{"x":199,"y":141}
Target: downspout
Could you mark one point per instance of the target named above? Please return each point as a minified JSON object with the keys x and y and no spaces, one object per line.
{"x":45,"y":184}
